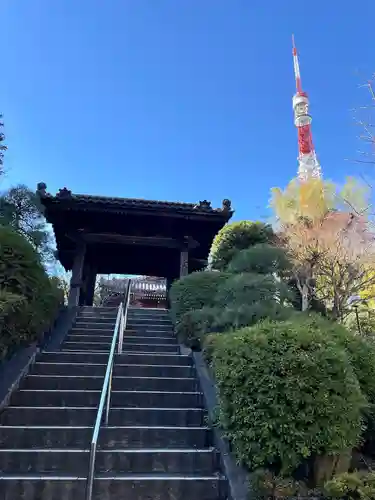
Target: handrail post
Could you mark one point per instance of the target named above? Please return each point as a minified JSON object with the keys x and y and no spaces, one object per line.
{"x":121,"y":333}
{"x":109,"y":397}
{"x":124,"y":316}
{"x":90,"y":478}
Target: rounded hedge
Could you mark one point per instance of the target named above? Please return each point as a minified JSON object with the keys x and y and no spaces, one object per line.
{"x":286,"y":392}
{"x":249,"y":288}
{"x":21,"y":270}
{"x":193,"y":326}
{"x":262,"y":259}
{"x":194,"y":291}
{"x":29,"y":298}
{"x":237,"y":236}
{"x":360,"y":350}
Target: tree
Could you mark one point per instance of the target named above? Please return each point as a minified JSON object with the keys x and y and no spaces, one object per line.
{"x":235,"y":237}
{"x":21,"y":209}
{"x":3,"y":148}
{"x":317,"y":220}
{"x":333,"y":259}
{"x":313,"y":199}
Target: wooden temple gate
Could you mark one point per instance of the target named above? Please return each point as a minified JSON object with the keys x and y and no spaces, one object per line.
{"x":99,"y":235}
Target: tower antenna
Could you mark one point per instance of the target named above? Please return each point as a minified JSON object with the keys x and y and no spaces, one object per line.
{"x":308,"y":165}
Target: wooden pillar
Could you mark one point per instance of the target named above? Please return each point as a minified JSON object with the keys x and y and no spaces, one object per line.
{"x":77,"y":272}
{"x":169,"y":284}
{"x":82,"y":293}
{"x":90,"y":287}
{"x":184,"y":262}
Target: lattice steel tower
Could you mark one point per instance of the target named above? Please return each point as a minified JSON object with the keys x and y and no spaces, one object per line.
{"x":308,"y":165}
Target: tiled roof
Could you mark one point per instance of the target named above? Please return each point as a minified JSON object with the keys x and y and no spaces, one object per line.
{"x":65,"y":194}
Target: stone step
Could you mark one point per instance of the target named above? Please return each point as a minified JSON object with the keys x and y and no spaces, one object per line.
{"x":100,"y":332}
{"x":148,"y":326}
{"x":77,"y":416}
{"x":162,"y":320}
{"x":139,"y":339}
{"x":73,"y":382}
{"x":104,"y":320}
{"x":99,"y":325}
{"x":151,"y":348}
{"x":148,"y":310}
{"x":86,"y":346}
{"x":131,"y":332}
{"x":137,"y":399}
{"x":98,"y":310}
{"x":127,"y":347}
{"x":137,"y":461}
{"x":88,"y":317}
{"x":124,"y":359}
{"x":132,"y":487}
{"x":85,"y":369}
{"x":90,"y":337}
{"x":109,"y":437}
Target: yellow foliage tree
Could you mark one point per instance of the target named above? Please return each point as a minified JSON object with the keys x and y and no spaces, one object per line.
{"x":313,"y":199}
{"x":327,"y":239}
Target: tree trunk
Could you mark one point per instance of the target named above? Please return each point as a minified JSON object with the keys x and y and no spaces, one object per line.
{"x":305,"y":296}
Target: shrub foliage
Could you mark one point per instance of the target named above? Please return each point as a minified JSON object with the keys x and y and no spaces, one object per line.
{"x":194,"y":291}
{"x":194,"y":325}
{"x":286,"y":392}
{"x":29,"y":298}
{"x":235,"y":237}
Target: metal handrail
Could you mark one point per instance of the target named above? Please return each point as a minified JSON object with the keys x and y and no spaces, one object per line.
{"x":105,"y":397}
{"x":125,"y":316}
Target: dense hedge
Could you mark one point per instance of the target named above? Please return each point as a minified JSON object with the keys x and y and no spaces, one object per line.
{"x":360,"y":350}
{"x":193,"y":326}
{"x":235,"y":237}
{"x":361,"y":353}
{"x":352,"y":486}
{"x":287,"y":391}
{"x":29,"y":298}
{"x":194,"y":291}
{"x":260,"y":259}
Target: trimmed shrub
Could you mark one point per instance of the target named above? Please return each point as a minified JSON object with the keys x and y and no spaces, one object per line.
{"x":235,"y":237}
{"x":262,"y":259}
{"x":194,"y":291}
{"x":21,"y":270}
{"x":266,"y":485}
{"x":356,"y":486}
{"x":360,"y":350}
{"x":287,"y":391}
{"x":249,"y":288}
{"x":236,"y":316}
{"x":194,"y":325}
{"x":29,"y":299}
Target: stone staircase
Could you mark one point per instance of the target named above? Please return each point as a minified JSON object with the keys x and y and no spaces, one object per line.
{"x":157,"y":445}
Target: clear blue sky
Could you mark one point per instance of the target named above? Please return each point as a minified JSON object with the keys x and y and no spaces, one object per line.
{"x":178,"y":99}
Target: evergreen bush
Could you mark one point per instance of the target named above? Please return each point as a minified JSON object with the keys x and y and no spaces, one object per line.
{"x":287,"y":391}
{"x":29,"y":299}
{"x":235,"y":237}
{"x":261,"y":259}
{"x":352,"y":486}
{"x":194,"y":325}
{"x":360,"y":350}
{"x":194,"y":291}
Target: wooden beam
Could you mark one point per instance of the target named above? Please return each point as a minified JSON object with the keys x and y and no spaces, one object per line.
{"x":137,"y":240}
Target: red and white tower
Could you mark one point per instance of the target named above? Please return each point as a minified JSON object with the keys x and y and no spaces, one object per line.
{"x":308,"y":165}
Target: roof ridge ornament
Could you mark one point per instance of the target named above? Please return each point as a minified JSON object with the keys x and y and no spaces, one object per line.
{"x":206,"y":205}
{"x":227,"y":205}
{"x":64,"y":193}
{"x":41,"y":189}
